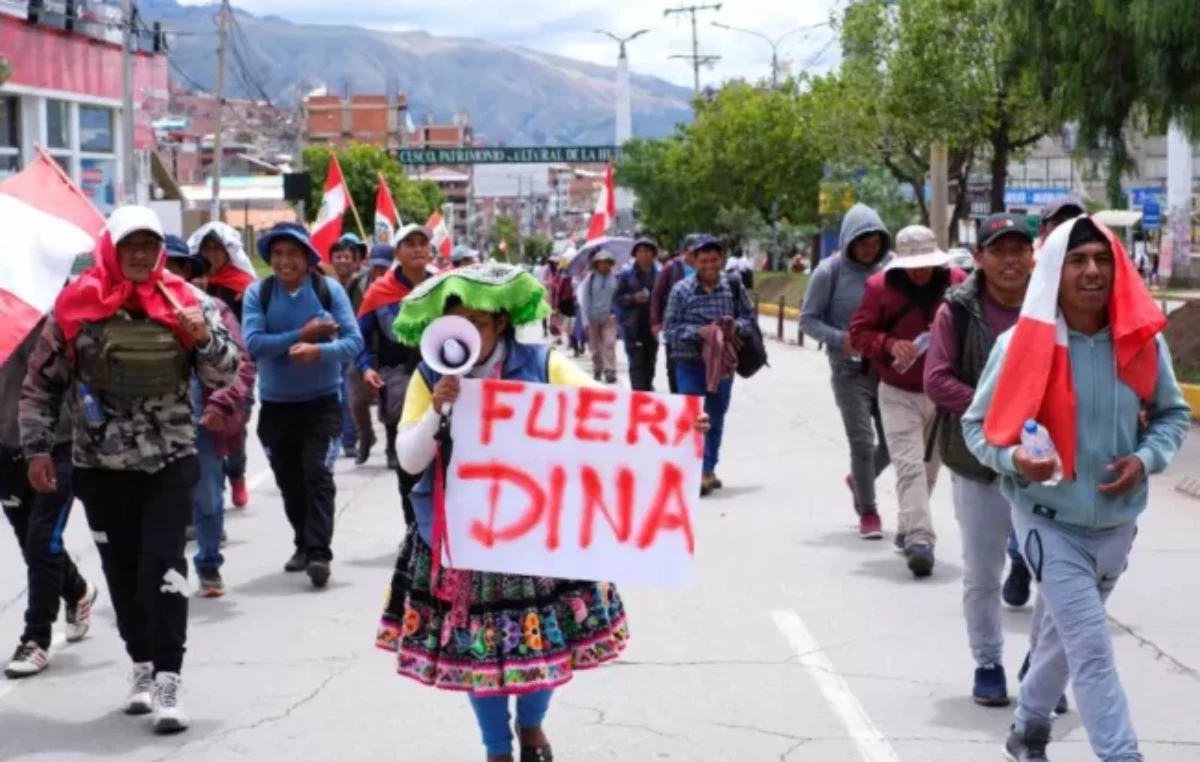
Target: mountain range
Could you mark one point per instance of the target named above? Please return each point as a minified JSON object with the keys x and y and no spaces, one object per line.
{"x":512,"y":95}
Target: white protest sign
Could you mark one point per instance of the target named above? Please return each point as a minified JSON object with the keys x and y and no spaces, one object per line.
{"x":573,"y":482}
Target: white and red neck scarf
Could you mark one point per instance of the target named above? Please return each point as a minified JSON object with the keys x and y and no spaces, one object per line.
{"x":1035,"y":381}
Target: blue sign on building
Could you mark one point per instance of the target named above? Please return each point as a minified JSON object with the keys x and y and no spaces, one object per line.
{"x":1033,"y":196}
{"x":1151,"y":216}
{"x":1141,"y":197}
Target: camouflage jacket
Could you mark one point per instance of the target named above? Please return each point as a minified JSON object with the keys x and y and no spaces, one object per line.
{"x":137,"y":434}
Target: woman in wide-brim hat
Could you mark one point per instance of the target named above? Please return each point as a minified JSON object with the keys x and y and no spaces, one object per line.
{"x":488,"y":634}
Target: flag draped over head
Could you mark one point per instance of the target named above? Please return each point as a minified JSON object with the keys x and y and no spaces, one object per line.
{"x":328,"y":227}
{"x":606,"y":208}
{"x":238,"y":273}
{"x":442,"y":241}
{"x":47,"y":223}
{"x":387,"y":219}
{"x":102,"y":290}
{"x":1035,"y":381}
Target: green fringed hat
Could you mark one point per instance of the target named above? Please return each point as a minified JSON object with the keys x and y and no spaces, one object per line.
{"x":489,"y":287}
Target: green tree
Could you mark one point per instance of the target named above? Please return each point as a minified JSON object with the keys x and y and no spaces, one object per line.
{"x":748,"y":148}
{"x":504,"y":229}
{"x":536,"y":247}
{"x":924,"y":72}
{"x":1114,"y":65}
{"x":361,"y":166}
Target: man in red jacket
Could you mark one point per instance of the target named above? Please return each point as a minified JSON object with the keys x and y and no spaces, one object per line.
{"x":891,"y":331}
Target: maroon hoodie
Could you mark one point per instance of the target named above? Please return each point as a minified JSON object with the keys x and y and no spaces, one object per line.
{"x":892,"y":309}
{"x":232,"y":403}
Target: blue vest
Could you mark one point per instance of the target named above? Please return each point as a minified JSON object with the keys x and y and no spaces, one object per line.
{"x":522,"y":362}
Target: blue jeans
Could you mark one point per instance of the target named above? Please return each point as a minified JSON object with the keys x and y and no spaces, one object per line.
{"x":1014,"y":549}
{"x":491,"y":713}
{"x":691,"y":376}
{"x":235,"y":463}
{"x":349,"y":433}
{"x":208,"y":503}
{"x":1076,"y":570}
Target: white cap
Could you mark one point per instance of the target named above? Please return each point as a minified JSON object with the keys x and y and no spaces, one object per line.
{"x":408,"y":230}
{"x":126,"y":220}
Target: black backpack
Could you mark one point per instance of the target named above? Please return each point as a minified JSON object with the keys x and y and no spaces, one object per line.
{"x":752,"y":357}
{"x":319,"y":284}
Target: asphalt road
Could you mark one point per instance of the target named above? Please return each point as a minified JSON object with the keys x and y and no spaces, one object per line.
{"x":797,"y":641}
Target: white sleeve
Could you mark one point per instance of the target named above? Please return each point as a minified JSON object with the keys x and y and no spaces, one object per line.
{"x":415,"y":443}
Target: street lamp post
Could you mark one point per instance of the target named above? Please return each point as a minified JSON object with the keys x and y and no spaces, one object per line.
{"x":624,"y":127}
{"x":774,"y":43}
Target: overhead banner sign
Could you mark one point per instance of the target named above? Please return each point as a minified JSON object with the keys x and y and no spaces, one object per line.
{"x":562,"y":155}
{"x":582,"y":483}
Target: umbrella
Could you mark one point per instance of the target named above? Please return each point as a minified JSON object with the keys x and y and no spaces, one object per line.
{"x":620,"y":248}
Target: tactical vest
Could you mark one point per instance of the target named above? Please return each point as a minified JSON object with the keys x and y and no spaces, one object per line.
{"x":133,"y":358}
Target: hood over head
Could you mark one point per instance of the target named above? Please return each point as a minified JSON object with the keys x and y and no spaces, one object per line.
{"x":862,"y":220}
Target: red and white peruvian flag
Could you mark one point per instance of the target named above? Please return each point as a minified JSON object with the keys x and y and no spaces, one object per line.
{"x":47,"y":223}
{"x":442,"y":241}
{"x":387,"y":219}
{"x":328,"y":227}
{"x":606,"y":208}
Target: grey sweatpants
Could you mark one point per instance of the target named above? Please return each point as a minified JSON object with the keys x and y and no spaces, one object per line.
{"x":908,"y":419}
{"x":857,"y":397}
{"x":1077,"y":569}
{"x":985,"y":519}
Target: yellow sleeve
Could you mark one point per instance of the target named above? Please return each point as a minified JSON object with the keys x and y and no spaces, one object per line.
{"x":563,"y":372}
{"x":417,"y":400}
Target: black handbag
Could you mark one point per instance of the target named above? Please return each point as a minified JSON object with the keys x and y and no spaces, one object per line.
{"x":752,"y":357}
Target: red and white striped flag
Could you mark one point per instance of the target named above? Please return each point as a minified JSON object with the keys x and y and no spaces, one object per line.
{"x":1035,"y":381}
{"x":606,"y":208}
{"x":387,"y":219}
{"x":442,"y":241}
{"x":47,"y":223}
{"x":328,"y":226}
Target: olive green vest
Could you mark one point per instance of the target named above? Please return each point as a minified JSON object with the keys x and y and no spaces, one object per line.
{"x":133,"y":358}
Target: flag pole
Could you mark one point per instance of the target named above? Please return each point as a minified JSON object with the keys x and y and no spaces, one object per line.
{"x":362,"y":233}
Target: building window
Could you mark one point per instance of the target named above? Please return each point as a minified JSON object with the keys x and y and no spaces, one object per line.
{"x":96,"y":129}
{"x":9,"y":124}
{"x":58,"y":124}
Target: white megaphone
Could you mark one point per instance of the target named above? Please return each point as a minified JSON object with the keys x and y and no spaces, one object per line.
{"x":451,"y":346}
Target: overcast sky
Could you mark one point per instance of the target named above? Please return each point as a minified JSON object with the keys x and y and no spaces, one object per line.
{"x":565,"y":27}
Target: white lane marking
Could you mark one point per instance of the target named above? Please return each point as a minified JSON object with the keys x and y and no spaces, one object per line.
{"x":872,"y":745}
{"x":8,"y":686}
{"x":256,"y":481}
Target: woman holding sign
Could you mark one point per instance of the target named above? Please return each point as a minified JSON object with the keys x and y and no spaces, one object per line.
{"x":492,"y":635}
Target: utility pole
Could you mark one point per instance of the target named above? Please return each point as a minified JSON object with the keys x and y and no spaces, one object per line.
{"x":128,"y":171}
{"x":624,"y":129}
{"x":1179,"y":205}
{"x":939,"y":177}
{"x":696,"y":59}
{"x":218,"y":144}
{"x":773,"y":43}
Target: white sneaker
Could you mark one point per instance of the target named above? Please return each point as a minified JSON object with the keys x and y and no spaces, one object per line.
{"x":169,"y":716}
{"x":79,"y":616}
{"x":28,"y":660}
{"x":141,"y":694}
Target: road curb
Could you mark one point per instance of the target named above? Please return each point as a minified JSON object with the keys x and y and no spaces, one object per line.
{"x":772,"y":310}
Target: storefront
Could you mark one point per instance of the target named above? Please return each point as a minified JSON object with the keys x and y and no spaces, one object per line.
{"x":64,"y":94}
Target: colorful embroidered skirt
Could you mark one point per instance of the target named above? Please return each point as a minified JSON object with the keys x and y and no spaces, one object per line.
{"x":513,"y":635}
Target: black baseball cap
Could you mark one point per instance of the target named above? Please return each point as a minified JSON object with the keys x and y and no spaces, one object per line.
{"x":705,"y":241}
{"x":1063,"y":208}
{"x":999,"y":225}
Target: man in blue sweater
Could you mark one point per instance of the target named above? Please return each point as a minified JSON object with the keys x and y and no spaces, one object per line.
{"x":300,"y":329}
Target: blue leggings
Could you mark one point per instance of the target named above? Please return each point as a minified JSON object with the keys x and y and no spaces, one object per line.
{"x":491,"y":712}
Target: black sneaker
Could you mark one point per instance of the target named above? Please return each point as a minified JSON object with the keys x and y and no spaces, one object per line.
{"x":1016,"y":587}
{"x":318,"y":572}
{"x":297,"y":563}
{"x":920,"y":559}
{"x":393,"y":461}
{"x":211,"y":584}
{"x":991,"y":686}
{"x":364,"y":451}
{"x":610,"y":377}
{"x":1029,"y":746}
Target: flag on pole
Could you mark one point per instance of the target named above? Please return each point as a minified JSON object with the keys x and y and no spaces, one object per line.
{"x":442,"y":241}
{"x":606,"y":208}
{"x":387,"y":219}
{"x":328,"y":227}
{"x":47,"y":223}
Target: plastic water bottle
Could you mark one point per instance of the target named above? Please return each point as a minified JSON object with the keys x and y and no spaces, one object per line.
{"x":1038,"y":445}
{"x":93,"y":411}
{"x":922,"y":343}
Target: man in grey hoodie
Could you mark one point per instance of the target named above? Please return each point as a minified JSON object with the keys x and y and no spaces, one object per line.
{"x":834,"y":291}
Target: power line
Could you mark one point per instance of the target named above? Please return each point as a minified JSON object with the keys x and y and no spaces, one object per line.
{"x":696,"y":59}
